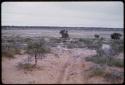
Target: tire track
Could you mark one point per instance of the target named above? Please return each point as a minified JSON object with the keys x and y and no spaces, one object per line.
{"x":72,"y":70}
{"x":67,"y":67}
{"x":63,"y":70}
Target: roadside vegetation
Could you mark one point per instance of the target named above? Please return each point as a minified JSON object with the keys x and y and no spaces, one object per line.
{"x":38,"y":47}
{"x":104,"y":60}
{"x":110,"y":76}
{"x":10,"y":47}
{"x":110,"y":60}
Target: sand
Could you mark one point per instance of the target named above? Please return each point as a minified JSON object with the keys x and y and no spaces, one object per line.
{"x":66,"y":66}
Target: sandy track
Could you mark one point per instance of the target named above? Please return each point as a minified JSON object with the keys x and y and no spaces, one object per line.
{"x":67,"y":68}
{"x":73,"y":69}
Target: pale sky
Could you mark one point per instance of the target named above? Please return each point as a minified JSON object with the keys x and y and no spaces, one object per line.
{"x":80,"y":14}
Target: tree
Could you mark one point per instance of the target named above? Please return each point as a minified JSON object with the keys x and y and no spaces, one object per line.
{"x":64,"y":33}
{"x":115,"y":36}
{"x":96,"y":36}
{"x":37,"y":48}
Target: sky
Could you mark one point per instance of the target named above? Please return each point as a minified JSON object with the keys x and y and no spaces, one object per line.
{"x":75,"y":14}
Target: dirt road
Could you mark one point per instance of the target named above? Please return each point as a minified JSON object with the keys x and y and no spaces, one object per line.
{"x":67,"y":68}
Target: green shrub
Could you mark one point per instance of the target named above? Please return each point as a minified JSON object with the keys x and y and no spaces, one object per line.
{"x":111,"y":61}
{"x":55,"y":40}
{"x":117,"y":45}
{"x":17,"y":51}
{"x":116,"y":62}
{"x":7,"y":54}
{"x":97,"y":59}
{"x":86,"y":41}
{"x":27,"y":40}
{"x":37,"y":48}
{"x":92,"y":43}
{"x":76,"y":44}
{"x":114,"y":77}
{"x":25,"y":66}
{"x":9,"y":50}
{"x":96,"y":70}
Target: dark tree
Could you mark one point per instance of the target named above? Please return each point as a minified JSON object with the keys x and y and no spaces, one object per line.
{"x":64,"y":33}
{"x":96,"y":36}
{"x":115,"y":36}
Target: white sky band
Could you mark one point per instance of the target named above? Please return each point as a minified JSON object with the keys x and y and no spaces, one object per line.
{"x":81,"y":14}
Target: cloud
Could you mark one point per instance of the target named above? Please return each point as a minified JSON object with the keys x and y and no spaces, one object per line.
{"x":87,"y":14}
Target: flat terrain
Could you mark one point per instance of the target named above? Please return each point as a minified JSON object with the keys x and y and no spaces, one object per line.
{"x":67,"y":68}
{"x":63,"y":65}
{"x":55,"y":33}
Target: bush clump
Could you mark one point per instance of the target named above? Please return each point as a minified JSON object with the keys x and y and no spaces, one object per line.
{"x":75,"y":44}
{"x":9,"y":51}
{"x":115,"y":36}
{"x":25,"y":66}
{"x":110,"y":61}
{"x":96,"y":70}
{"x":7,"y":54}
{"x":114,"y":77}
{"x":117,"y":45}
{"x":96,"y":36}
{"x":37,"y":49}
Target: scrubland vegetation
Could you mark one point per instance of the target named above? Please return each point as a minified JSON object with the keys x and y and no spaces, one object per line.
{"x":38,"y":47}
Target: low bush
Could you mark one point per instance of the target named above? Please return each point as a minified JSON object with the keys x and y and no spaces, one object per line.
{"x":115,"y":77}
{"x":110,"y":61}
{"x":112,"y":76}
{"x":116,"y":62}
{"x":25,"y":66}
{"x":76,"y":44}
{"x":37,"y":48}
{"x":9,"y":50}
{"x":117,"y":45}
{"x":96,"y":70}
{"x":7,"y":54}
{"x":92,"y":43}
{"x":55,"y":40}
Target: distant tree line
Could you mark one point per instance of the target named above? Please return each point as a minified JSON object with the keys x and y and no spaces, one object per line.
{"x":58,"y":27}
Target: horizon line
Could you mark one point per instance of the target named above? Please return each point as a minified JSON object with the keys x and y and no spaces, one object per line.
{"x":56,"y":26}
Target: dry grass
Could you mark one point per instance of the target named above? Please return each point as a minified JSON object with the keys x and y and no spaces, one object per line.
{"x":95,"y":70}
{"x":28,"y":67}
{"x":110,"y":61}
{"x":114,"y":77}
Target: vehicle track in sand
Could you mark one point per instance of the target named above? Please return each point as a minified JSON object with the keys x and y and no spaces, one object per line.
{"x":65,"y":69}
{"x":72,"y":70}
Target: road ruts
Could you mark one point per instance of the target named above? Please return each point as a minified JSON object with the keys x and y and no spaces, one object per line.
{"x":68,"y":68}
